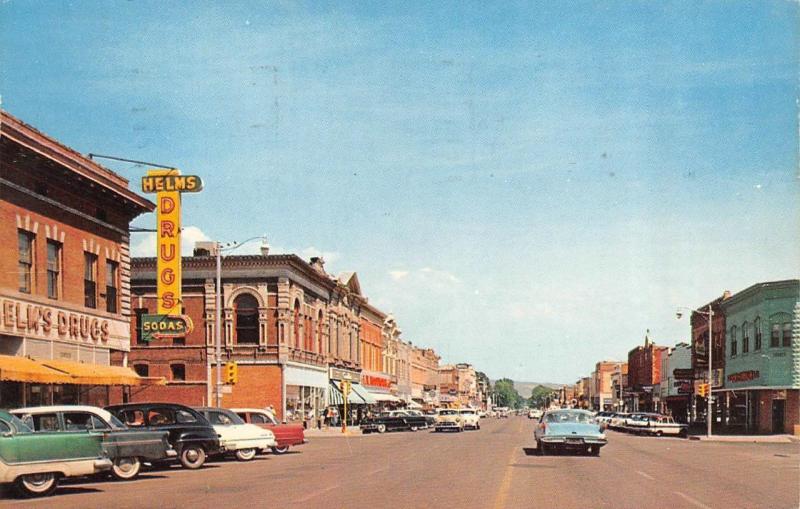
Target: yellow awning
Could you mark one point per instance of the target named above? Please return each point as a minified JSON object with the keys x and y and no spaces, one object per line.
{"x":92,"y":374}
{"x":23,"y":369}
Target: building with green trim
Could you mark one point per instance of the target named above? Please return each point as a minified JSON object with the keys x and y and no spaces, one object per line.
{"x":761,"y":391}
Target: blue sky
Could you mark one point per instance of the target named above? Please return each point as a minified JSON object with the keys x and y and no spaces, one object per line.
{"x":526,"y":187}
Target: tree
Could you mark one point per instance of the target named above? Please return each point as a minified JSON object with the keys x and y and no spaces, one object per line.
{"x":539,"y":395}
{"x":505,"y":393}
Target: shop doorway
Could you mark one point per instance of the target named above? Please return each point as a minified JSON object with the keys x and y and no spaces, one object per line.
{"x":778,"y":414}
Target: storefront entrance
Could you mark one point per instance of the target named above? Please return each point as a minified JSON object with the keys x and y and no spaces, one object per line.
{"x":778,"y":414}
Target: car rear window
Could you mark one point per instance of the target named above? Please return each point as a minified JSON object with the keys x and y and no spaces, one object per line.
{"x":132,"y":418}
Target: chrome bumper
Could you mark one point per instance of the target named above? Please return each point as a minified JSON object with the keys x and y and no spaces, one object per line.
{"x":101,"y":465}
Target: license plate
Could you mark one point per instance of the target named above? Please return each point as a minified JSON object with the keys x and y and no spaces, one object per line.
{"x":574,"y":440}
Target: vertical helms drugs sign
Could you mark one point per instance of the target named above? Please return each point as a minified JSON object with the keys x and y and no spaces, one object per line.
{"x":169,"y":184}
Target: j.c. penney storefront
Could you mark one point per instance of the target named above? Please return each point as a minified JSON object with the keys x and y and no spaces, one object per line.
{"x":57,"y":355}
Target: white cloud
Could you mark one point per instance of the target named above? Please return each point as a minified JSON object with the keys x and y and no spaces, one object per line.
{"x":397,"y":275}
{"x":145,"y":245}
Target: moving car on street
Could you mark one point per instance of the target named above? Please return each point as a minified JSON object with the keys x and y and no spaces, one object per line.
{"x":396,"y":420}
{"x":470,"y":418}
{"x":449,"y":419}
{"x":534,"y":413}
{"x":286,"y":435}
{"x":35,"y":462}
{"x":190,"y":434}
{"x":236,"y":436}
{"x":502,"y":412}
{"x":569,"y":429}
{"x":127,"y":448}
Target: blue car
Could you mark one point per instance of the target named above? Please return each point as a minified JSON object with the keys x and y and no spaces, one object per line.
{"x":569,"y":429}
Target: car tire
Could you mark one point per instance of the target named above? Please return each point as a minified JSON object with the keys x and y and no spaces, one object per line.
{"x":193,"y":457}
{"x":245,"y":454}
{"x":125,"y":469}
{"x":36,"y":485}
{"x":281,"y":449}
{"x":543,"y":449}
{"x":381,"y":428}
{"x":413,"y":428}
{"x":683,"y":433}
{"x":594,"y":450}
{"x":659,"y":433}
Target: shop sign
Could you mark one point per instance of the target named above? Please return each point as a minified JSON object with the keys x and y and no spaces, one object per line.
{"x":343,"y":374}
{"x":375,"y":381}
{"x":744,"y":376}
{"x":647,"y":388}
{"x":18,"y":317}
{"x":683,"y":386}
{"x":168,"y":186}
{"x":683,"y":373}
{"x":718,"y":377}
{"x":165,"y":326}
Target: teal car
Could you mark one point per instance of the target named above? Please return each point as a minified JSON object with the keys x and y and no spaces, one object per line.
{"x":569,"y":429}
{"x":34,"y":462}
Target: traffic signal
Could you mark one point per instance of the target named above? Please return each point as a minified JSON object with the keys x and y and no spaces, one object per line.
{"x":231,"y":373}
{"x":702,"y":390}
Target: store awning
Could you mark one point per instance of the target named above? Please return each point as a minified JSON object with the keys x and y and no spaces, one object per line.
{"x":364,"y":394}
{"x":336,"y":397}
{"x":383,"y":397}
{"x":93,"y":374}
{"x":23,"y":369}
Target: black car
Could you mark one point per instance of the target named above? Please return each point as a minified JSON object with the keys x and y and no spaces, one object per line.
{"x":190,"y":434}
{"x":396,"y":420}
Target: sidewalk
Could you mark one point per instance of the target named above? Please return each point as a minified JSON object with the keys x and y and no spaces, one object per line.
{"x":334,"y":432}
{"x":766,"y":439}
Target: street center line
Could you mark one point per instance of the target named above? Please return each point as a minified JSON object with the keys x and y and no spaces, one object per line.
{"x":693,"y":501}
{"x":505,"y":484}
{"x":645,"y":475}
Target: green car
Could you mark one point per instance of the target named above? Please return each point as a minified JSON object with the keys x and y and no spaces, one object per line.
{"x":35,"y":461}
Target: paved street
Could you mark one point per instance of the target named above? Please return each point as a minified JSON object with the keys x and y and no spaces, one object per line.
{"x":490,"y":468}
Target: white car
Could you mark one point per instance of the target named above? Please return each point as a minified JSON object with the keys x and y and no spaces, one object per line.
{"x":236,"y":436}
{"x":535,"y":413}
{"x":470,"y":418}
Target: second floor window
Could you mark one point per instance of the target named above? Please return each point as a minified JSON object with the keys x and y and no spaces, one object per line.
{"x":90,"y":280}
{"x":178,"y":371}
{"x":25,"y":261}
{"x":53,"y":268}
{"x":775,"y":335}
{"x":733,"y":342}
{"x":140,"y":312}
{"x":787,"y":334}
{"x":757,"y":334}
{"x":111,"y":286}
{"x":246,"y":309}
{"x":142,"y":369}
{"x":745,"y":337}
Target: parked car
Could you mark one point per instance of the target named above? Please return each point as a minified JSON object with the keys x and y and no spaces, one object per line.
{"x":286,"y":435}
{"x":603,"y":418}
{"x":637,"y":422}
{"x":396,"y":420}
{"x":617,"y":421}
{"x":659,"y":425}
{"x":236,"y":436}
{"x":470,"y":418}
{"x":430,"y":419}
{"x":35,"y":462}
{"x":502,"y":412}
{"x":190,"y":434}
{"x":481,"y":413}
{"x":535,"y":413}
{"x":449,"y":419}
{"x":127,"y":448}
{"x":569,"y":429}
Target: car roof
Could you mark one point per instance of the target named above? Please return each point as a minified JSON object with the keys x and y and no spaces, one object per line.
{"x":251,"y":410}
{"x":63,"y":408}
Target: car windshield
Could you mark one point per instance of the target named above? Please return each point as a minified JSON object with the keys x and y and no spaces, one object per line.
{"x":448,"y":412}
{"x":223,"y":417}
{"x":17,"y":422}
{"x":563,"y":417}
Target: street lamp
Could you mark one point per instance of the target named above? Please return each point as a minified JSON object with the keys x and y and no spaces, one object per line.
{"x":218,"y":309}
{"x":709,"y":316}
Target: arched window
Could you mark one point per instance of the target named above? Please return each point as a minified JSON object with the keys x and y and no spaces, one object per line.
{"x":757,"y":334}
{"x":296,"y":324}
{"x":246,"y":308}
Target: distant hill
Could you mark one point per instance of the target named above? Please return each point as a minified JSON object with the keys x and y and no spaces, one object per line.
{"x":524,"y":388}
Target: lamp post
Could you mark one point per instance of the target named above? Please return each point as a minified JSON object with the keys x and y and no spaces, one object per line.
{"x":218,"y":311}
{"x":709,"y":316}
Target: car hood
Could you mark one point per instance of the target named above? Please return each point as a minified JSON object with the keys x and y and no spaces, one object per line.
{"x":242,"y":432}
{"x":448,"y":418}
{"x":573,"y":428}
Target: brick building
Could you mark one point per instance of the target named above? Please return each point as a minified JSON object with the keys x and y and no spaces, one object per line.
{"x":292,"y":329}
{"x":603,"y":397}
{"x":644,"y":372}
{"x":64,"y":267}
{"x":374,"y":376}
{"x":699,"y":323}
{"x":424,"y":377}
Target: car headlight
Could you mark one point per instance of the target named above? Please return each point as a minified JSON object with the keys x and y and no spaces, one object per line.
{"x":602,"y":436}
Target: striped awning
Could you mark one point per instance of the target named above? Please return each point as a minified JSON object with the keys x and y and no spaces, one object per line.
{"x":336,"y":397}
{"x":364,"y":394}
